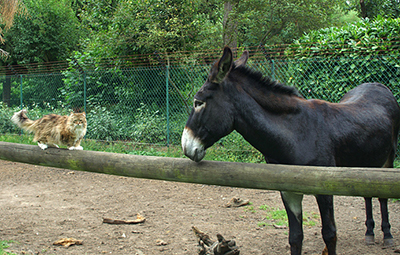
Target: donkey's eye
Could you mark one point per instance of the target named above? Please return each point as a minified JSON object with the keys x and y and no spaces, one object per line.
{"x":197,"y":103}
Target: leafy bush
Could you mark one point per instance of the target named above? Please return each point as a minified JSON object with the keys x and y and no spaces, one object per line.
{"x":365,"y":37}
{"x":234,"y":148}
{"x":6,"y":126}
{"x":112,"y":87}
{"x":149,"y":126}
{"x":329,"y":62}
{"x":104,"y":125}
{"x":143,"y":125}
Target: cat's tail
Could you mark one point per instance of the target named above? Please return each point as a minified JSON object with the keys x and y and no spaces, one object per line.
{"x":22,"y":121}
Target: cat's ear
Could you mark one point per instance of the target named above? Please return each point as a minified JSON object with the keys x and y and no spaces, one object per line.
{"x":84,"y":114}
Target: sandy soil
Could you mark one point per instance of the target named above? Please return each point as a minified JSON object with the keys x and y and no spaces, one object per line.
{"x":40,"y":205}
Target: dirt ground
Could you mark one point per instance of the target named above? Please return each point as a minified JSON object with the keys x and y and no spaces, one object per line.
{"x":40,"y":205}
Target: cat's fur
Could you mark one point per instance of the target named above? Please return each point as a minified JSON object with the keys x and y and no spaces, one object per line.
{"x":54,"y":130}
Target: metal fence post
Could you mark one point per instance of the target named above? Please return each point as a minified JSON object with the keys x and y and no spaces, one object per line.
{"x":167,"y":100}
{"x":84,"y":91}
{"x":20,"y":97}
{"x":272,"y":69}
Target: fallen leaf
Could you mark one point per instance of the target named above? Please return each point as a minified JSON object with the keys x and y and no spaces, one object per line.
{"x":67,"y":242}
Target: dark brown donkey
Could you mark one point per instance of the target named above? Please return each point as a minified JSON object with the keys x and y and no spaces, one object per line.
{"x":360,"y":131}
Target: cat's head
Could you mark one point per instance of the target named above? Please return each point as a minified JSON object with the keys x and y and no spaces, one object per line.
{"x":77,"y":120}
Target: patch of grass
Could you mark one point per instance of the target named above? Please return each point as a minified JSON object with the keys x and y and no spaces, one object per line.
{"x":23,"y":138}
{"x":250,"y":209}
{"x":310,"y":219}
{"x":133,"y":148}
{"x":278,"y":216}
{"x":262,"y":224}
{"x":4,"y":245}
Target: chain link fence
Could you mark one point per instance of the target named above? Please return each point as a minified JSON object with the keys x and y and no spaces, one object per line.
{"x":151,"y":104}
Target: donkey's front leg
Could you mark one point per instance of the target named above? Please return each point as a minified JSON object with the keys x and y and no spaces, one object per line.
{"x":293,"y":206}
{"x":325,"y":204}
{"x":369,"y":222}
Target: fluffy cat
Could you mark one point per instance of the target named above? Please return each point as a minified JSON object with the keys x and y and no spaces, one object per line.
{"x":52,"y":129}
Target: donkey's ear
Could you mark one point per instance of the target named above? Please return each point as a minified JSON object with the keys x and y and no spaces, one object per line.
{"x":222,"y":67}
{"x":243,"y":59}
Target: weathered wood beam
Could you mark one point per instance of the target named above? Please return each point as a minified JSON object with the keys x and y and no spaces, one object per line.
{"x":370,"y":182}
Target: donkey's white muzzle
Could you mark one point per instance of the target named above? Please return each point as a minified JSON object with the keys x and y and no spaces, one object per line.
{"x":192,"y":146}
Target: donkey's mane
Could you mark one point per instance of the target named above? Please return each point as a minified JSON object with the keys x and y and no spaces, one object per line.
{"x":265,"y":83}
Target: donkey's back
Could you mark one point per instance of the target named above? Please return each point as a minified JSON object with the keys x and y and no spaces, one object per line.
{"x":366,"y":132}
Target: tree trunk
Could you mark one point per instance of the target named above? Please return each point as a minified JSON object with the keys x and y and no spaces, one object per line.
{"x":363,"y":9}
{"x":230,"y":28}
{"x":7,"y":91}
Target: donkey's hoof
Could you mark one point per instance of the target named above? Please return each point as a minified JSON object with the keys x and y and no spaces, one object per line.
{"x":370,"y":240}
{"x":388,"y":242}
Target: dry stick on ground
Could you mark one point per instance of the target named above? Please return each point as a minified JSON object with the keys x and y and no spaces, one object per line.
{"x":139,"y":219}
{"x":220,"y":247}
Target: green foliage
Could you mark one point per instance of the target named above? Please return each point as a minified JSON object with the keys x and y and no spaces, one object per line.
{"x":144,"y":126}
{"x":105,"y":125}
{"x":6,"y":126}
{"x":47,"y":31}
{"x":50,"y":30}
{"x":235,"y":149}
{"x":146,"y":27}
{"x":143,"y":27}
{"x":353,"y":54}
{"x":375,"y":8}
{"x":365,"y":37}
{"x":126,"y":89}
{"x":36,"y":89}
{"x":42,"y":90}
{"x":95,"y":15}
{"x":147,"y":127}
{"x":272,"y":22}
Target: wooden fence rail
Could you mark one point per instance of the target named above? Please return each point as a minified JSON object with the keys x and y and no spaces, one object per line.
{"x":365,"y":182}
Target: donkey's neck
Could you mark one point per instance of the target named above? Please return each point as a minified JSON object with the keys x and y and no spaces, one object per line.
{"x":268,"y":111}
{"x":266,"y":120}
{"x":272,"y":96}
{"x":275,"y":102}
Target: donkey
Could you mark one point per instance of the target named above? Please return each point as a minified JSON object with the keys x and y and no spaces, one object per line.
{"x":359,"y":131}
